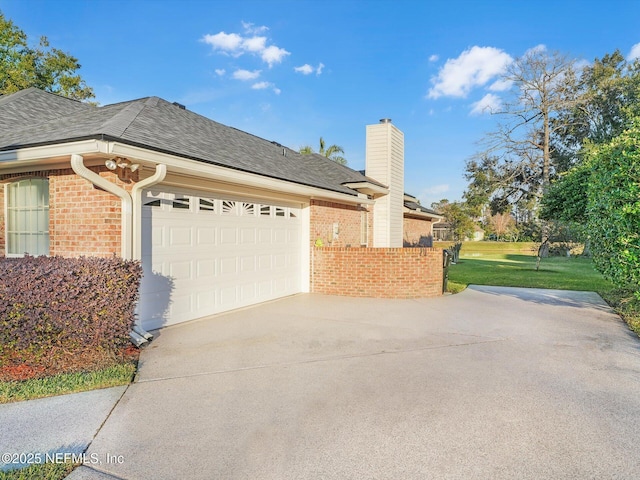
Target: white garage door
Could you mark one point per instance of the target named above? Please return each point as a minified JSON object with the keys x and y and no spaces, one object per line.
{"x":205,"y":254}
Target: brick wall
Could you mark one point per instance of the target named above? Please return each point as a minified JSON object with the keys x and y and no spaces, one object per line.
{"x":323,"y":216}
{"x":83,"y":219}
{"x":416,"y":231}
{"x":377,"y":272}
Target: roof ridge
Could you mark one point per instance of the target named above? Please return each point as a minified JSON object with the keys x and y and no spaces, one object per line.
{"x":123,"y":119}
{"x":8,"y":97}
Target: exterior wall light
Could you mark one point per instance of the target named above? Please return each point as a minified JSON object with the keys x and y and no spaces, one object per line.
{"x":123,"y":163}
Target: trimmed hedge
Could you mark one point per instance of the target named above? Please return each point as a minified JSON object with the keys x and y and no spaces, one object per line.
{"x":49,"y":303}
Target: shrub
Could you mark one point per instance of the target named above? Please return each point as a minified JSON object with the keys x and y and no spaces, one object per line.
{"x":614,"y":208}
{"x":55,"y":303}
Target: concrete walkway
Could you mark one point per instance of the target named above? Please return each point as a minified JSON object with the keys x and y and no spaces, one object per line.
{"x":490,"y":383}
{"x":50,"y":428}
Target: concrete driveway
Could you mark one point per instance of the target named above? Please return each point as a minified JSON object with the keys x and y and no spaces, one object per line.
{"x":490,"y":383}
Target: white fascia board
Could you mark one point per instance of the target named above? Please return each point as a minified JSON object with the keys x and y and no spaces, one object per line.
{"x":26,"y":159}
{"x":48,"y":156}
{"x":209,"y":171}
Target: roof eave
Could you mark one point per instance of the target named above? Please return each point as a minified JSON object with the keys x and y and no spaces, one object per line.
{"x":367,"y":188}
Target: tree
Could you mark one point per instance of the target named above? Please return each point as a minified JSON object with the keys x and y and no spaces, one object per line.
{"x":502,"y":225}
{"x":333,"y":152}
{"x":517,"y":164}
{"x":43,"y":66}
{"x":610,"y":90}
{"x":458,"y":215}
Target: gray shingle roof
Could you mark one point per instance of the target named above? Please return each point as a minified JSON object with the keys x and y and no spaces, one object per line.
{"x":419,"y":208}
{"x":24,"y":108}
{"x":33,"y":117}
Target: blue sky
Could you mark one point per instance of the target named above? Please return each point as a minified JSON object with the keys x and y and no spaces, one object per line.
{"x":292,"y":71}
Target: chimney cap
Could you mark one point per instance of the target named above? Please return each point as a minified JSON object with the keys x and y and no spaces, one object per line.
{"x":385,"y":120}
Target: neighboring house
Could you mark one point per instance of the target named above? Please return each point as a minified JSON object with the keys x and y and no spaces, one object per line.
{"x":219,"y":218}
{"x":419,"y":223}
{"x":443,"y":232}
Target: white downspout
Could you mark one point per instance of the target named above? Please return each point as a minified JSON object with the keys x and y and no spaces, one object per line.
{"x":77,"y":164}
{"x":131,"y":241}
{"x":136,"y":196}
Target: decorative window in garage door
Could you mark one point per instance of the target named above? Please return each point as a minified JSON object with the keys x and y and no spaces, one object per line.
{"x":215,"y":206}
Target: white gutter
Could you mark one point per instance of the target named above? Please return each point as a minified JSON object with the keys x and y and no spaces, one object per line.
{"x":236,"y":177}
{"x":77,"y":163}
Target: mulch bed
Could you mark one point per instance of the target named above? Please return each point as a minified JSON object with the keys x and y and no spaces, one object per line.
{"x":14,"y":366}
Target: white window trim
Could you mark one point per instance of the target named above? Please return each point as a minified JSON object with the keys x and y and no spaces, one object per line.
{"x":6,"y":218}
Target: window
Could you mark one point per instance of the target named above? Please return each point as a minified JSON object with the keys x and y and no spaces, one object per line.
{"x":181,"y":203}
{"x":27,"y":217}
{"x":364,"y":228}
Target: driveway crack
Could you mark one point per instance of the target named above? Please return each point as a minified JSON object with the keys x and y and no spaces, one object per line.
{"x":330,"y":358}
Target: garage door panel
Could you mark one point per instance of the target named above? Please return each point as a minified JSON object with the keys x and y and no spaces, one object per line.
{"x":206,"y":236}
{"x":248,"y":236}
{"x":279,"y":236}
{"x":180,"y":236}
{"x":180,"y":305}
{"x":228,"y":266}
{"x":228,"y":296}
{"x":248,"y":293}
{"x":206,"y":269}
{"x":208,"y":255}
{"x":248,"y":264}
{"x":264,"y":235}
{"x":279,"y":285}
{"x":158,"y":236}
{"x":228,"y":236}
{"x":205,"y":301}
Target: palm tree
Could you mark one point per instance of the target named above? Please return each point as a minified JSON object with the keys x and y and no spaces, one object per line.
{"x":333,"y":152}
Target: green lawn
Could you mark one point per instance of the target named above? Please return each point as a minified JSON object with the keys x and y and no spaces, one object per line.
{"x":113,"y":376}
{"x":513,"y":270}
{"x":45,"y":471}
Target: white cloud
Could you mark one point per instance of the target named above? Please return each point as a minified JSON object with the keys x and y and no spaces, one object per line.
{"x":265,"y":85}
{"x":487,"y":104}
{"x":434,"y":58}
{"x":250,"y":28}
{"x":220,"y":71}
{"x":634,"y":53}
{"x":305,"y":69}
{"x":261,"y":85}
{"x":537,"y":49}
{"x":474,"y":67}
{"x":236,"y":45}
{"x":227,"y":43}
{"x":254,"y":44}
{"x":500,"y":85}
{"x":246,"y":74}
{"x":273,"y":54}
